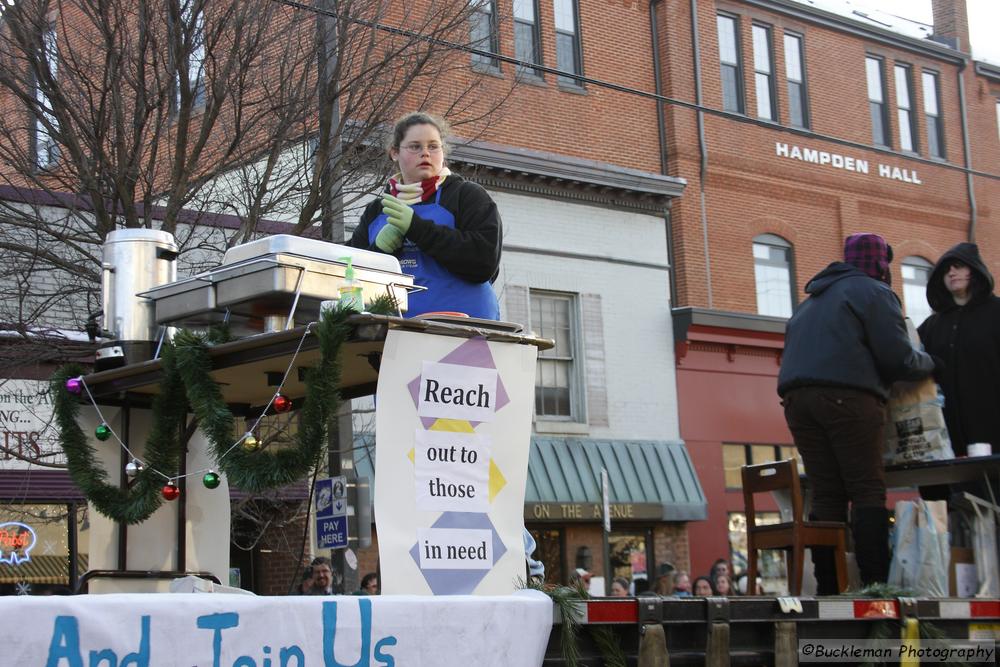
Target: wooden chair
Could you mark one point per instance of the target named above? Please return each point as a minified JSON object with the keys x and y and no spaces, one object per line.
{"x":791,"y":536}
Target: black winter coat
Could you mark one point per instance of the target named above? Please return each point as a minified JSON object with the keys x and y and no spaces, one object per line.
{"x":850,"y":332}
{"x":967,"y":339}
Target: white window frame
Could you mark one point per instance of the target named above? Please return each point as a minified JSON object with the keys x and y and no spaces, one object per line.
{"x":526,"y":19}
{"x":484,"y":13}
{"x":875,"y":67}
{"x":43,"y":144}
{"x":763,"y":71}
{"x":930,"y":82}
{"x":731,"y":60}
{"x":905,"y":116}
{"x":795,"y":74}
{"x":195,"y":59}
{"x":772,"y":241}
{"x":567,"y":26}
{"x":571,"y":358}
{"x":915,"y":304}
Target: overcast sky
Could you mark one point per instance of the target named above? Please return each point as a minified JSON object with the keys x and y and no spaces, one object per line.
{"x":984,"y":21}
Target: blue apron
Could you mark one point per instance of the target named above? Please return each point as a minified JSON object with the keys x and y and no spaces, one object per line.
{"x":445,"y":291}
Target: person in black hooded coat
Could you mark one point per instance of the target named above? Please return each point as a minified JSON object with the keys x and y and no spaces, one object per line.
{"x":964,"y":333}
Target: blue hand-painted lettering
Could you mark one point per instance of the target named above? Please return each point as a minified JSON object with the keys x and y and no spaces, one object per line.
{"x":218,"y":623}
{"x":330,"y":634}
{"x":65,"y":646}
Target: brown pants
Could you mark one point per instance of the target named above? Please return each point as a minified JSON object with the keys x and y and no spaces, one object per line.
{"x":839,"y":435}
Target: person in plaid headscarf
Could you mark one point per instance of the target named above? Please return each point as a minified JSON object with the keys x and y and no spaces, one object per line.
{"x":844,"y":346}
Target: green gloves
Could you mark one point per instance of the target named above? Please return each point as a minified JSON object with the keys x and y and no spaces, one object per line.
{"x":399,"y":214}
{"x":389,"y":239}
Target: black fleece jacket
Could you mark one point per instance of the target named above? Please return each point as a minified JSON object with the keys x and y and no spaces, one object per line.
{"x":967,"y":339}
{"x":471,"y":250}
{"x":850,"y":332}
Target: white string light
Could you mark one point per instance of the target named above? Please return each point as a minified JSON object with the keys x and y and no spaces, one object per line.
{"x":173,"y":479}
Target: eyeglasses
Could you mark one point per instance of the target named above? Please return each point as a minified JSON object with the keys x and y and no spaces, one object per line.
{"x":416,"y":148}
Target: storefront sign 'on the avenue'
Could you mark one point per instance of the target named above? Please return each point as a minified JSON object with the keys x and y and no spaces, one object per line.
{"x":846,"y":163}
{"x":590,"y":511}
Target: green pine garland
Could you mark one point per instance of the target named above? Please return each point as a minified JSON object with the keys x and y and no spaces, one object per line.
{"x":186,"y":381}
{"x":261,"y":470}
{"x":137,"y":502}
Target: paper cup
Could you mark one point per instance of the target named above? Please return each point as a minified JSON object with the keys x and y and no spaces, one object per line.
{"x":979,"y":449}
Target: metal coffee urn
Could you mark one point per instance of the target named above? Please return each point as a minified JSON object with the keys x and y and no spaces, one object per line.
{"x":134,"y":261}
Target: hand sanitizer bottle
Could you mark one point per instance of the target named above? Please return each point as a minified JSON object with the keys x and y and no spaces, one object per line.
{"x":350,"y":291}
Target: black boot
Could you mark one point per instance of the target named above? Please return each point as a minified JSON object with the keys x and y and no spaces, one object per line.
{"x":870,"y":526}
{"x":825,"y":569}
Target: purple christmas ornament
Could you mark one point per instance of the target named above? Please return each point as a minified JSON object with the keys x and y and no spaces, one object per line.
{"x":74,"y":385}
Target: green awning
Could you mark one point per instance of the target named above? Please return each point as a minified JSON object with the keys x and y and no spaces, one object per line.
{"x":646,"y":479}
{"x":652,"y":480}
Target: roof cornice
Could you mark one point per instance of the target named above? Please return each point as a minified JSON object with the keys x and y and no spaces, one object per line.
{"x":988,"y":70}
{"x":844,"y":24}
{"x":568,"y":170}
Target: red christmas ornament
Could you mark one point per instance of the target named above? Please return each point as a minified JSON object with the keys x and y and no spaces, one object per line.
{"x":282,"y":403}
{"x":170,"y":491}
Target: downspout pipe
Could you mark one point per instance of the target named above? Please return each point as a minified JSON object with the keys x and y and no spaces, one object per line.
{"x":969,"y":182}
{"x":661,"y":126}
{"x":702,"y":146}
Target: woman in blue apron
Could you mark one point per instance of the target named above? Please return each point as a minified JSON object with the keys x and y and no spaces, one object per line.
{"x":446,"y":231}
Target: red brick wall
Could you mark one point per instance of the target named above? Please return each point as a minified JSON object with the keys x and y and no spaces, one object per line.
{"x":749,"y":190}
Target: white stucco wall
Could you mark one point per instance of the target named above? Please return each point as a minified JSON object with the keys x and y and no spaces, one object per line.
{"x":635,"y":303}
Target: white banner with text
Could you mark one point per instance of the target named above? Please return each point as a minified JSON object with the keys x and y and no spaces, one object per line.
{"x":452,"y":434}
{"x":210,"y":630}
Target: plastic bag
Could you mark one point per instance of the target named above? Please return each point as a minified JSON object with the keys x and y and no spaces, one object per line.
{"x":921,"y":548}
{"x":984,"y":544}
{"x":916,"y":430}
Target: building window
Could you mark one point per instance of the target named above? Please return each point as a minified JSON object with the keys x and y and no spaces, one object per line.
{"x":483,"y":33}
{"x":932,"y":115}
{"x":735,"y":456}
{"x":557,"y":382}
{"x":876,"y":101}
{"x":567,"y":41}
{"x":195,"y":57}
{"x":904,"y":108}
{"x":46,"y":126}
{"x":916,"y":272}
{"x":628,"y":553}
{"x":772,"y":265}
{"x":40,"y":561}
{"x":763,"y":72}
{"x":550,"y":549}
{"x":527,"y":42}
{"x":771,"y":567}
{"x":795,"y":73}
{"x":729,"y":61}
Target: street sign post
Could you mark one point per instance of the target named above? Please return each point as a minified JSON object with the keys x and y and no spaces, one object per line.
{"x":330,"y":502}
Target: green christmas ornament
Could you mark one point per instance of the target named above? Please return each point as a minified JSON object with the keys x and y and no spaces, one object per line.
{"x":211,"y":480}
{"x":102,"y":432}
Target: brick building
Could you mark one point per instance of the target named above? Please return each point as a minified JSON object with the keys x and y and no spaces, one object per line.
{"x":832,"y":125}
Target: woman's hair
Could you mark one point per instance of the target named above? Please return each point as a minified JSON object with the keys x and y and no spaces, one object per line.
{"x":367,"y":578}
{"x":621,"y":581}
{"x":694,"y":584}
{"x":715,"y":584}
{"x":664,"y":585}
{"x":419,"y":118}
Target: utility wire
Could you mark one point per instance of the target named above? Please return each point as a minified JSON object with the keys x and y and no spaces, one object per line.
{"x":600,"y":83}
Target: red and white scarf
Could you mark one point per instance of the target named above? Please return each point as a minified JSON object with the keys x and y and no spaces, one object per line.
{"x":414,"y":193}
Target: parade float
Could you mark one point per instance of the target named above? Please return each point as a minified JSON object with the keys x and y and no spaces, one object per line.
{"x":171,"y":416}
